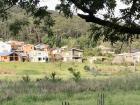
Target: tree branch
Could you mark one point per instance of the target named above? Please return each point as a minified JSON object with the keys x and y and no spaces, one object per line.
{"x":119,"y":28}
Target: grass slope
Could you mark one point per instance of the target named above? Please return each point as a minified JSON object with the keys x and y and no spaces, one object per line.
{"x":15,"y":70}
{"x":85,"y":98}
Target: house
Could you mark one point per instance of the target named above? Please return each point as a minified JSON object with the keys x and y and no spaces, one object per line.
{"x":24,"y":57}
{"x":16,"y":45}
{"x":124,"y":58}
{"x":55,"y":54}
{"x":9,"y":57}
{"x":4,"y":47}
{"x":136,"y":56}
{"x":105,"y":50}
{"x":38,"y":56}
{"x":27,"y":48}
{"x":73,"y":55}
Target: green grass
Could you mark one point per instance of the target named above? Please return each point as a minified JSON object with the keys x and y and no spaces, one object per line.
{"x":35,"y":70}
{"x":84,"y":98}
{"x":123,"y":90}
{"x":15,"y":70}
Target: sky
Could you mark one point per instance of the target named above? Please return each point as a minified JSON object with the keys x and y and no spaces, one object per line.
{"x":52,"y":3}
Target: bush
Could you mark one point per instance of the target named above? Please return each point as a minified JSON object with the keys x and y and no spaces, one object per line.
{"x":87,"y":68}
{"x":53,"y":77}
{"x":26,"y":78}
{"x":76,"y":74}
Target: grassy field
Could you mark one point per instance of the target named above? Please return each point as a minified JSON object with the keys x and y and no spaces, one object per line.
{"x":117,"y":91}
{"x":84,"y":98}
{"x":15,"y":70}
{"x":120,"y":84}
{"x":36,"y":70}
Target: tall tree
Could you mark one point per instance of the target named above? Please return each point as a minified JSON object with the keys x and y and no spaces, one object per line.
{"x":127,"y":22}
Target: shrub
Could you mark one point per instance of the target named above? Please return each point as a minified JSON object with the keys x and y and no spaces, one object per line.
{"x":26,"y":78}
{"x":53,"y":77}
{"x":76,"y":74}
{"x":87,"y":68}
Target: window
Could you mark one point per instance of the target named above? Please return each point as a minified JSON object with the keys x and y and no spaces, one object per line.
{"x":5,"y":57}
{"x":39,"y":59}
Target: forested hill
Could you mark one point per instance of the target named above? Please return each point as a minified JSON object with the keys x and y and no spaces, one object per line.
{"x":65,"y":31}
{"x":72,"y":31}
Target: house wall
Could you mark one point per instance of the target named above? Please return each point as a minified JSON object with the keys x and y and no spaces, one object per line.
{"x":38,"y":56}
{"x":27,"y":48}
{"x":4,"y":59}
{"x":72,"y":55}
{"x":77,"y":53}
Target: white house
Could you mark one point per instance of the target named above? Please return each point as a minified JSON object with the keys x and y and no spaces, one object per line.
{"x":73,"y":55}
{"x":38,"y":56}
{"x":136,"y":56}
{"x":4,"y":47}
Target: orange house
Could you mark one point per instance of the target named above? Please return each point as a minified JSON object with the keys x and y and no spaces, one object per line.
{"x":27,"y":48}
{"x":9,"y":57}
{"x":16,"y":45}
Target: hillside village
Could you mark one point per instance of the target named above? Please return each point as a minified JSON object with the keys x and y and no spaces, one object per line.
{"x":18,"y":51}
{"x":11,"y":51}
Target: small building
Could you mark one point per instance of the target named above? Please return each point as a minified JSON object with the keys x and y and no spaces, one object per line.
{"x":73,"y":55}
{"x":24,"y":57}
{"x":16,"y":45}
{"x":136,"y":57}
{"x":27,"y":48}
{"x":123,"y":58}
{"x":9,"y":57}
{"x":55,"y":54}
{"x":38,"y":56}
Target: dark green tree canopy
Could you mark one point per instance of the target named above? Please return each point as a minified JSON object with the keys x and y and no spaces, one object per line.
{"x":31,"y":7}
{"x":127,"y":23}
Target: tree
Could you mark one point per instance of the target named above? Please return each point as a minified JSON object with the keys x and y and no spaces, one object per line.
{"x":127,"y":23}
{"x":40,"y":16}
{"x":31,"y":7}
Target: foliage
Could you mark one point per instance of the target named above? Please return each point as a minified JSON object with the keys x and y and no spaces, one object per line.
{"x":101,"y":99}
{"x":54,"y":78}
{"x":87,"y":68}
{"x":76,"y":74}
{"x":102,"y":91}
{"x":113,"y":27}
{"x":54,"y":30}
{"x":17,"y":26}
{"x":92,"y":52}
{"x":26,"y":78}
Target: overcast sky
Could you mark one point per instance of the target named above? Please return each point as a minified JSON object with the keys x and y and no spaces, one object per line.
{"x":52,"y":3}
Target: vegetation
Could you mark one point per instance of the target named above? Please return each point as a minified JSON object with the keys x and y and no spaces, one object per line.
{"x":70,"y":83}
{"x":18,"y":70}
{"x":57,"y":31}
{"x":122,"y":90}
{"x":125,"y":23}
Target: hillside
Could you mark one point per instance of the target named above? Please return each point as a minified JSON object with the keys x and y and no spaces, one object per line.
{"x":72,"y":31}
